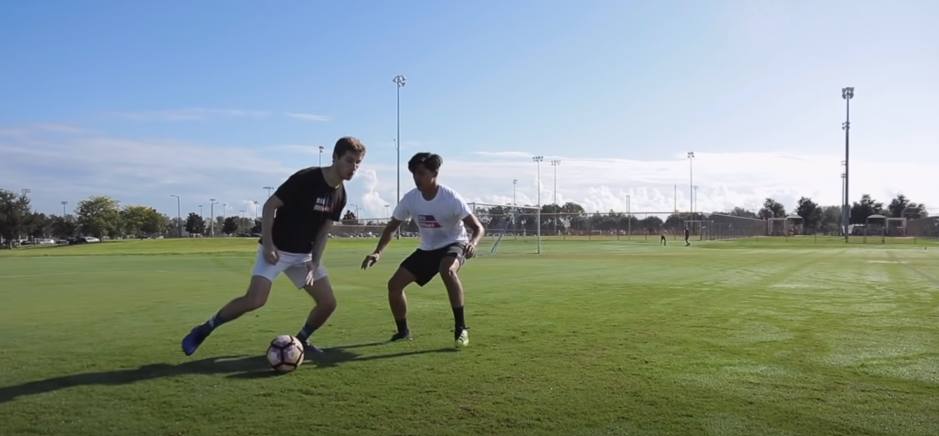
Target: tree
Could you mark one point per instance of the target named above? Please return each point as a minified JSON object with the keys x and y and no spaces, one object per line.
{"x":651,"y":224}
{"x":831,"y":220}
{"x":14,"y":215}
{"x":257,"y":226}
{"x":230,"y":225}
{"x":64,"y":227}
{"x":350,"y":219}
{"x":772,"y":209}
{"x":195,"y":225}
{"x":99,"y":216}
{"x":143,"y":220}
{"x":810,"y":212}
{"x":860,"y":211}
{"x":902,"y":207}
{"x":38,"y":225}
{"x":741,"y":212}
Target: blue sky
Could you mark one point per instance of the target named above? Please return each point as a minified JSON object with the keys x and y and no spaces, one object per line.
{"x":212,"y":99}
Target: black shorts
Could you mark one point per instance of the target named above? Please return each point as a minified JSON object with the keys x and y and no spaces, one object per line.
{"x":426,"y":264}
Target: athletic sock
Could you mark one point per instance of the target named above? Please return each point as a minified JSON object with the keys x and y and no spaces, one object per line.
{"x":402,"y":325}
{"x":305,"y":332}
{"x":458,"y":320}
{"x":213,"y":323}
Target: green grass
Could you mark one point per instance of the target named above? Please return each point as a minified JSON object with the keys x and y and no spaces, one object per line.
{"x":601,"y":337}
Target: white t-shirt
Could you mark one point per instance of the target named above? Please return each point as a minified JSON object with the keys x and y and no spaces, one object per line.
{"x":440,"y":220}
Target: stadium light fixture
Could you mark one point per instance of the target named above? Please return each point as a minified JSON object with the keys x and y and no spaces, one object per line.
{"x":847,"y":94}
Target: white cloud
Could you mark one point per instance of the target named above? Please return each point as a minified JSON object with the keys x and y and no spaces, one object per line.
{"x":190,"y":114}
{"x":70,"y":163}
{"x":307,"y":117}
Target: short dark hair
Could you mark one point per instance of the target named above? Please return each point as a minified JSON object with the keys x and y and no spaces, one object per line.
{"x":348,"y":144}
{"x":430,"y":161}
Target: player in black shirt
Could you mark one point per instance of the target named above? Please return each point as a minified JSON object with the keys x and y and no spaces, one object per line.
{"x":292,"y":242}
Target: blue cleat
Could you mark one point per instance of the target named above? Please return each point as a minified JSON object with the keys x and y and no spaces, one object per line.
{"x":193,"y":340}
{"x":309,"y":348}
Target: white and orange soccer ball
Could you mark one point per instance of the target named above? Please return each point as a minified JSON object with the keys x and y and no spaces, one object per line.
{"x":285,"y":353}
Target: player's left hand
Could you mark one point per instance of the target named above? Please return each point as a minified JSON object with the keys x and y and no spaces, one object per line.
{"x":311,"y":268}
{"x":469,"y":251}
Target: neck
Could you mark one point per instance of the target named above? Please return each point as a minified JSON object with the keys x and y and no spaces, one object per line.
{"x":430,"y":191}
{"x":332,"y":176}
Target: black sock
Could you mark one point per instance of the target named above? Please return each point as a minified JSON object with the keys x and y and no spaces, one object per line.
{"x":305,"y":332}
{"x":402,"y":325}
{"x":213,"y":323}
{"x":459,"y":322}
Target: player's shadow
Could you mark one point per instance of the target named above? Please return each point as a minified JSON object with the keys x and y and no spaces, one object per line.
{"x":336,"y":356}
{"x":212,"y":365}
{"x":235,"y":366}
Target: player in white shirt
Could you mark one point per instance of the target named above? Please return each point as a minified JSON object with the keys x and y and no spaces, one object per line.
{"x":443,"y":217}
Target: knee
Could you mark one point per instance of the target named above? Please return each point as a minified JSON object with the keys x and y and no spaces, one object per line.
{"x":448,"y":272}
{"x":395,"y":287}
{"x":328,"y":303}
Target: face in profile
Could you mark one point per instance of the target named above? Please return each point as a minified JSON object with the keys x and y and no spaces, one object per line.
{"x":348,"y":164}
{"x":423,"y":177}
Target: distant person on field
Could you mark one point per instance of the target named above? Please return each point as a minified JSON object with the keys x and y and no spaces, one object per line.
{"x":442,"y":216}
{"x":292,"y":242}
{"x":687,"y":237}
{"x":664,"y":240}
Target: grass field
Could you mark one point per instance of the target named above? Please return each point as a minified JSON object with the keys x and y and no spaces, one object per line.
{"x":750,"y":337}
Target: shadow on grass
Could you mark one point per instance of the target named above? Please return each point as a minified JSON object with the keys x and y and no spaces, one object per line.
{"x":242,"y":367}
{"x":335,"y":356}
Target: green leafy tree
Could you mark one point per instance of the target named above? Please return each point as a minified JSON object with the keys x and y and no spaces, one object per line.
{"x":39,"y":225}
{"x":99,"y":216}
{"x":14,"y":215}
{"x":195,"y":224}
{"x":860,"y":211}
{"x":810,"y":212}
{"x":64,"y":227}
{"x":350,"y":219}
{"x":230,"y":225}
{"x":143,"y":220}
{"x":772,"y":209}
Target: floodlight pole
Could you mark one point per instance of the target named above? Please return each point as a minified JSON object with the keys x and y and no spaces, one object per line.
{"x":179,"y":216}
{"x":63,"y":209}
{"x":269,"y":188}
{"x":321,"y":155}
{"x":847,"y":94}
{"x":399,"y":81}
{"x":514,"y":189}
{"x":538,"y":160}
{"x":691,"y":181}
{"x":212,"y":204}
{"x":555,"y":163}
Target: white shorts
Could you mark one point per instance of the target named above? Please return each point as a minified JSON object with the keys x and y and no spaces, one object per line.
{"x":293,"y":265}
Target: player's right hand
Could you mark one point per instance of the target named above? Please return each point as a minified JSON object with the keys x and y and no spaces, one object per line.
{"x":271,"y":255}
{"x":370,"y":260}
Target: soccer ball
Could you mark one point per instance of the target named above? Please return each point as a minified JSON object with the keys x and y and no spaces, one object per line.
{"x":285,"y":353}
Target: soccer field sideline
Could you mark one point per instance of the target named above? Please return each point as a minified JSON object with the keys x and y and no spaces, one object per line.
{"x":732,"y":337}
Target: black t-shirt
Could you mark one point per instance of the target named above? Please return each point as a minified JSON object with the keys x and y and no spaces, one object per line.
{"x":308,"y":203}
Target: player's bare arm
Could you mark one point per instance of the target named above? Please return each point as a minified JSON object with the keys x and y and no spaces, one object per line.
{"x":319,"y":245}
{"x":267,"y":224}
{"x":472,"y":223}
{"x":383,"y":242}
